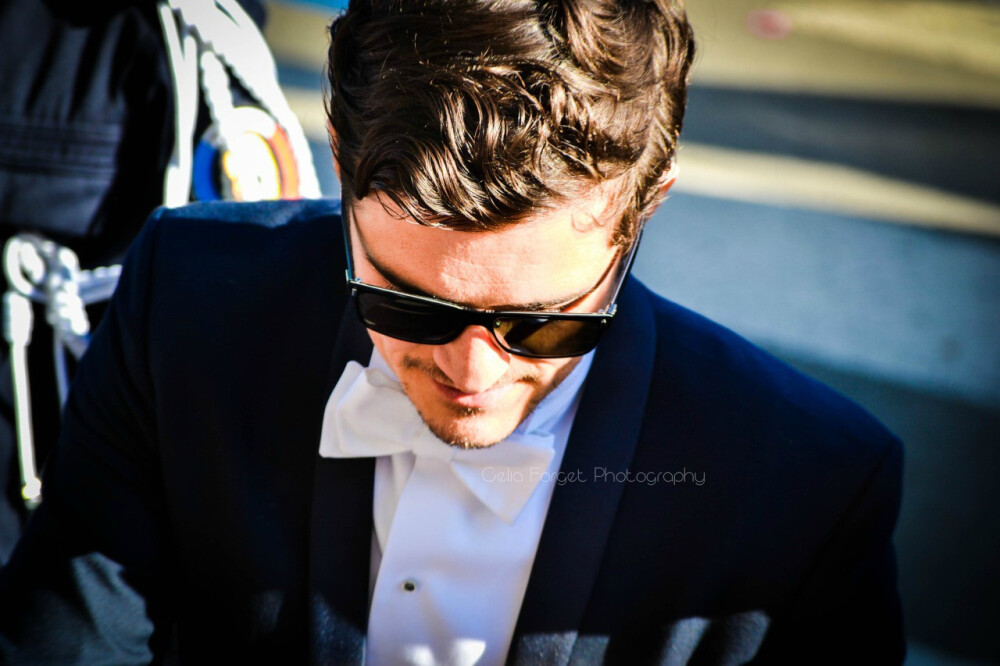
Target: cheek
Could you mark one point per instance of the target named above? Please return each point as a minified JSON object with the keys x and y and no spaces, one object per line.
{"x":408,"y":361}
{"x":543,"y":371}
{"x":393,"y":350}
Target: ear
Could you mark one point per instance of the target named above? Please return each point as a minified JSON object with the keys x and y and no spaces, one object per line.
{"x":666,"y":182}
{"x":668,"y":179}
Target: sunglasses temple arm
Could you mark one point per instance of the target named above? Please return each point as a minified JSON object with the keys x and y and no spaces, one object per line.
{"x":349,"y":263}
{"x":629,"y":260}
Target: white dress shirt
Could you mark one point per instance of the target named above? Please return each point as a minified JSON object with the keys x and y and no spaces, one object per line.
{"x":449,"y":572}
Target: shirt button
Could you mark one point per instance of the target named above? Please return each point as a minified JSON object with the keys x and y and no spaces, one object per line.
{"x":409,"y":585}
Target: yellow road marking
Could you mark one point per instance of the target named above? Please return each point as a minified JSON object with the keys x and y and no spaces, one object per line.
{"x":912,"y":50}
{"x":797,"y":183}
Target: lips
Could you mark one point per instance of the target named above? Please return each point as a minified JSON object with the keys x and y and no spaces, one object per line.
{"x":482,"y":400}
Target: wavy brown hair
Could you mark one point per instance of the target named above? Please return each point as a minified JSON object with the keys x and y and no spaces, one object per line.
{"x":474,"y":114}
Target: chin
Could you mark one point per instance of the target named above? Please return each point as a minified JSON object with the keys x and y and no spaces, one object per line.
{"x":469,"y":428}
{"x":470,"y":431}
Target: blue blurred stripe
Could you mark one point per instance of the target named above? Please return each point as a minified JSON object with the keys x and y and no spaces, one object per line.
{"x":295,"y":76}
{"x":320,"y":4}
{"x":323,"y":160}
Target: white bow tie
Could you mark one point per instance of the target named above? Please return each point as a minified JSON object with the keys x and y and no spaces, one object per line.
{"x":368,"y":414}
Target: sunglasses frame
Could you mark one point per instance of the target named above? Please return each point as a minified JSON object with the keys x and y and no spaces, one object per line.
{"x":488,"y":319}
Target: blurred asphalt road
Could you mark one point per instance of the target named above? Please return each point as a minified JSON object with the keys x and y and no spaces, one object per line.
{"x":839,"y":204}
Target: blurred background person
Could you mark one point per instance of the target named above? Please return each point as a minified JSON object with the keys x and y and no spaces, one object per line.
{"x":109,"y":110}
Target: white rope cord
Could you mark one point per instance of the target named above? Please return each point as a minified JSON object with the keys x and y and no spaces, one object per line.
{"x":65,"y":313}
{"x":40,"y":270}
{"x":182,"y":49}
{"x":23,"y":266}
{"x":18,"y":309}
{"x":225,"y":29}
{"x":217,"y":96}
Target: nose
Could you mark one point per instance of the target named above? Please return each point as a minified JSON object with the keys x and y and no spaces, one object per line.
{"x":473,"y":362}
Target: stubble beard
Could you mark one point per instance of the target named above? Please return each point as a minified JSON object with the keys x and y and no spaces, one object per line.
{"x":452,"y":433}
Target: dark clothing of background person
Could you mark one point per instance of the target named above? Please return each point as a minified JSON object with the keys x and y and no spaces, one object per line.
{"x":86,"y":132}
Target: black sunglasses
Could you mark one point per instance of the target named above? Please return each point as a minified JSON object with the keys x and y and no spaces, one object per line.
{"x":432,"y":321}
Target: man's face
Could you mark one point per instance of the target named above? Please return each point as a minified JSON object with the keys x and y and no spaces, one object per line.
{"x":470,"y":392}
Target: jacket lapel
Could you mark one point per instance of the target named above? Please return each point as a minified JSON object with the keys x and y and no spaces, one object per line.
{"x":340,"y":547}
{"x":581,"y":515}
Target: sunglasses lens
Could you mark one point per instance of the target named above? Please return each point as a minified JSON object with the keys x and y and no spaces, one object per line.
{"x":408,"y":319}
{"x":548,"y":337}
{"x":414,"y":320}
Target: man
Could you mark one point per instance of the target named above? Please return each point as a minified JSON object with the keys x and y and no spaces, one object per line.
{"x":521,"y":455}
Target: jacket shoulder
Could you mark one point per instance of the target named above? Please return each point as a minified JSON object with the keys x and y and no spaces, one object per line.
{"x":269,"y":214}
{"x":219,"y":279}
{"x":248,"y":243}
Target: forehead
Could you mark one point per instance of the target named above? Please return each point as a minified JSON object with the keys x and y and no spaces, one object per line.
{"x":542,"y":258}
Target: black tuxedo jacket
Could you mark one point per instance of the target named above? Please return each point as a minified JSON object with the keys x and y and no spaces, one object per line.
{"x":726,"y":509}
